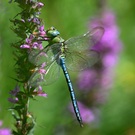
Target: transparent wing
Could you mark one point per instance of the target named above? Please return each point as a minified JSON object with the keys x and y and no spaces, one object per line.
{"x":37,"y":57}
{"x":80,"y":61}
{"x":79,"y":54}
{"x":86,"y":41}
{"x":51,"y":75}
{"x":51,"y":67}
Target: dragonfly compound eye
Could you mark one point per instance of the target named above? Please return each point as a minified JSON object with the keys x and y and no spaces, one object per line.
{"x":52,"y":32}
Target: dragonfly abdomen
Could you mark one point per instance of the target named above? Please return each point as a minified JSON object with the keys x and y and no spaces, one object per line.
{"x":71,"y":90}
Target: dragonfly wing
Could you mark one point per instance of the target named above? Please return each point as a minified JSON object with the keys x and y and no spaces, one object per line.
{"x":51,"y":75}
{"x":80,"y":61}
{"x":79,"y":53}
{"x":37,"y":57}
{"x":96,"y":34}
{"x":51,"y":66}
{"x":86,"y":41}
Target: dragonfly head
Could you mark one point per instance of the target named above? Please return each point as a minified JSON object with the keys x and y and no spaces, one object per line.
{"x":52,"y":32}
{"x":54,"y":35}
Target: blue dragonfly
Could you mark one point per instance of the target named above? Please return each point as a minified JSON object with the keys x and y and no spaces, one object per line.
{"x":75,"y":54}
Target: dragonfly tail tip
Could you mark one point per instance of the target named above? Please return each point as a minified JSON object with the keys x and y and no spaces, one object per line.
{"x":81,"y":124}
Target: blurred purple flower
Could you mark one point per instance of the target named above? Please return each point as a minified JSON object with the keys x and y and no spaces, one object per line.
{"x":86,"y":113}
{"x":13,"y":99}
{"x":87,"y":79}
{"x":4,"y":131}
{"x":98,"y":79}
{"x":15,"y":91}
{"x":110,"y":41}
{"x":109,"y":48}
{"x":109,"y":60}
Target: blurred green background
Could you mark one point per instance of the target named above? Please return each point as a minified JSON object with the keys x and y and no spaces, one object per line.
{"x":71,"y":18}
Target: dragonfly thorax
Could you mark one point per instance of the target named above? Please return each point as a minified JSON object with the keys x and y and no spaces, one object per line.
{"x":57,"y":39}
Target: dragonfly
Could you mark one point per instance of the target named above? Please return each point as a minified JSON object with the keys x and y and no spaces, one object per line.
{"x":75,"y":54}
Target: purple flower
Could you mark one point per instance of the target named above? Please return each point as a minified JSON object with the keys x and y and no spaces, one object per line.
{"x":29,"y":39}
{"x":13,"y":100}
{"x":87,"y":79}
{"x":109,"y":48}
{"x":30,"y":44}
{"x":25,"y":46}
{"x":41,"y":28}
{"x":38,"y":76}
{"x":41,"y":70}
{"x":109,"y":60}
{"x":43,"y":65}
{"x":4,"y":131}
{"x":40,"y":92}
{"x":42,"y":32}
{"x":98,"y":79}
{"x":40,"y":46}
{"x":86,"y":113}
{"x":40,"y":5}
{"x":29,"y":63}
{"x":35,"y":20}
{"x":37,"y":45}
{"x":13,"y":93}
{"x":110,"y":41}
{"x":108,"y":18}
